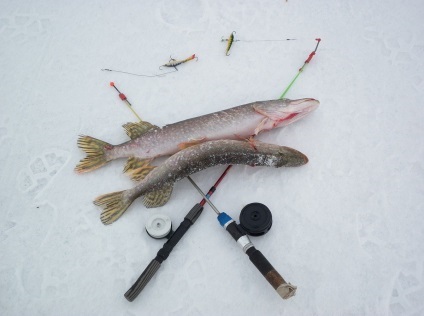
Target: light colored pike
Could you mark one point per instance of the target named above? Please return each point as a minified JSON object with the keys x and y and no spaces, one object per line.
{"x":157,"y":183}
{"x":149,"y":141}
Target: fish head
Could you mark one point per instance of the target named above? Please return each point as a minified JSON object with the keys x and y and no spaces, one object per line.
{"x":289,"y":157}
{"x":279,"y":156}
{"x":283,"y":112}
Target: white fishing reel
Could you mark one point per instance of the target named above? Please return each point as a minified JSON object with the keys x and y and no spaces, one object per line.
{"x":159,"y":226}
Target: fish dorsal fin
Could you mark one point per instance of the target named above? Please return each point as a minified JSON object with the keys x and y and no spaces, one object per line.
{"x":135,"y":130}
{"x":158,"y":198}
{"x":138,"y":168}
{"x":191,"y":142}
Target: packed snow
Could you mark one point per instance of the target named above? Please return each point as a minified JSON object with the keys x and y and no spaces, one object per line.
{"x":347,"y":227}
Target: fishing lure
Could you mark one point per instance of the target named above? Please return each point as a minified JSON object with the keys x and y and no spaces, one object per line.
{"x":174,"y":63}
{"x":230,"y":41}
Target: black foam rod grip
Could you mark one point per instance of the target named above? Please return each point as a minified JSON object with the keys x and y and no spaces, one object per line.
{"x":163,"y":253}
{"x":284,"y":289}
{"x":142,"y":281}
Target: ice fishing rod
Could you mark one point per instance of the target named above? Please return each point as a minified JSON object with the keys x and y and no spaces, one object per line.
{"x":307,"y":61}
{"x":165,"y":251}
{"x":123,"y":97}
{"x":284,"y":289}
{"x":189,"y":220}
{"x":175,"y":237}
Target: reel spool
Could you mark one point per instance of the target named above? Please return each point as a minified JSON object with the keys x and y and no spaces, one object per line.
{"x":255,"y":219}
{"x":159,"y":226}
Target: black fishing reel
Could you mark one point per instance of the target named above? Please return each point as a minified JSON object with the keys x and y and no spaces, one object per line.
{"x":255,"y":220}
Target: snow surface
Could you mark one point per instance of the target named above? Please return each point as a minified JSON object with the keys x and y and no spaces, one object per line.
{"x":348,"y":226}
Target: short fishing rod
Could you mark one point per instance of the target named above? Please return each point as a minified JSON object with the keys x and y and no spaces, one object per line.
{"x":165,"y":251}
{"x":123,"y":97}
{"x":307,"y":61}
{"x":284,"y":289}
{"x":189,"y":220}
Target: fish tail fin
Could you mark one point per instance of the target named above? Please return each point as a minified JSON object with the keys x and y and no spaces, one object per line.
{"x":96,"y":150}
{"x":114,"y":205}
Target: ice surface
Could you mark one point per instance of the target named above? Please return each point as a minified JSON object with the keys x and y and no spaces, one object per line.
{"x":348,"y":226}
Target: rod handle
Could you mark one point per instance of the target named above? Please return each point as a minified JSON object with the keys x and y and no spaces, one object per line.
{"x":142,"y":281}
{"x":163,"y":253}
{"x":284,"y":289}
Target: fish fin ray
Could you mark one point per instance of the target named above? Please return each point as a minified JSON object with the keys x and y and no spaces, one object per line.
{"x":138,"y":168}
{"x":159,"y":197}
{"x":192,"y":142}
{"x":266,"y":111}
{"x":96,"y":153}
{"x":114,"y":205}
{"x":135,"y":130}
{"x":262,"y":125}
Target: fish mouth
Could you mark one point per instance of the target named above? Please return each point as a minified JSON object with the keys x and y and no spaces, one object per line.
{"x":293,"y":157}
{"x":297,"y":109}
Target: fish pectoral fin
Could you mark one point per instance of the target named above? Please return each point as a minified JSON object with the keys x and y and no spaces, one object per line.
{"x":192,"y":142}
{"x":138,"y":168}
{"x":265,"y":124}
{"x":135,"y":130}
{"x":158,"y":198}
{"x":262,"y":109}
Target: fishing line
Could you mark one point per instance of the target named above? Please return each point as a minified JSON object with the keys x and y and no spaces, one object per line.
{"x":267,"y":40}
{"x":139,"y":75}
{"x":166,"y":249}
{"x":123,"y":97}
{"x":230,"y":40}
{"x":284,"y":289}
{"x":171,"y":63}
{"x":311,"y":55}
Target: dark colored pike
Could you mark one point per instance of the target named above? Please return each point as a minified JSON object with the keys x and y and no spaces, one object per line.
{"x":157,"y":184}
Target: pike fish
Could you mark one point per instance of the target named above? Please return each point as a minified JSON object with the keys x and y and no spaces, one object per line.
{"x":157,"y":184}
{"x":149,"y":141}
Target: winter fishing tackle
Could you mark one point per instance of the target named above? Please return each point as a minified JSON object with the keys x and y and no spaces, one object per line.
{"x":174,"y":63}
{"x":230,"y":41}
{"x":284,"y":289}
{"x":138,"y":75}
{"x":173,"y":240}
{"x":307,"y":61}
{"x":123,"y":97}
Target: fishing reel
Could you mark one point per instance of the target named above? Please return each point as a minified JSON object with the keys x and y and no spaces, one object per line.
{"x":159,"y":226}
{"x":255,"y":220}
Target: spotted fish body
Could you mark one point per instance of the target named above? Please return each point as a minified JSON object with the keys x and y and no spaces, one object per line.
{"x":235,"y":123}
{"x":157,"y":185}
